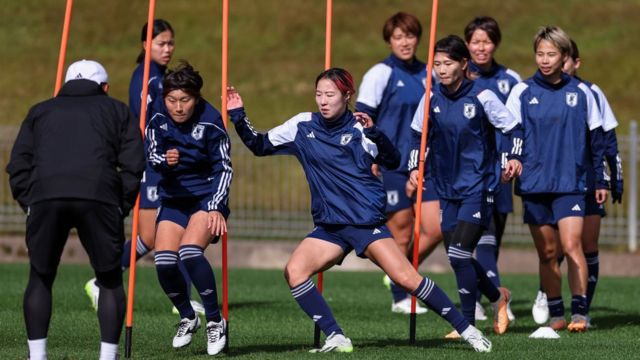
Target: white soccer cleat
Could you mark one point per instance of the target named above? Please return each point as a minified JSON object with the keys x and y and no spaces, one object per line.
{"x":510,"y":314}
{"x":480,"y":313}
{"x":186,"y":329}
{"x":216,"y":336}
{"x":335,"y":343}
{"x":93,"y":292}
{"x":404,"y":307}
{"x":475,"y":338}
{"x":540,"y":309}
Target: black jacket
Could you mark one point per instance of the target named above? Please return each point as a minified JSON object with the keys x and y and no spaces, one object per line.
{"x":80,"y":144}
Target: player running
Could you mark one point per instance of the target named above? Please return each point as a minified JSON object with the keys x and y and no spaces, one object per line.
{"x":463,"y":160}
{"x":189,"y":147}
{"x":337,"y":149}
{"x":563,"y":138}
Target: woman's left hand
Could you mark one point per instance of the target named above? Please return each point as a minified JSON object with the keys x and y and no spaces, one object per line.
{"x":216,"y":223}
{"x":513,"y":169}
{"x":364,"y":119}
{"x":601,"y":196}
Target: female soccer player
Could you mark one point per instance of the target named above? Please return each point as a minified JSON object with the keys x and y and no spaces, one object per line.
{"x":337,"y":149}
{"x":483,"y":37}
{"x":594,"y":211}
{"x":463,"y":161}
{"x":188,"y":145}
{"x":389,"y":93}
{"x":563,"y":139}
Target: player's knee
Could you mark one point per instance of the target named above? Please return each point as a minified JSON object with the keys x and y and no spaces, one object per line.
{"x":572,"y":249}
{"x":295,"y":274}
{"x":404,"y":279}
{"x":110,"y":279}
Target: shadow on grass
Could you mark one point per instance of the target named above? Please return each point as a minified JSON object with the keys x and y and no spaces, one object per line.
{"x":235,"y":305}
{"x":267,"y":348}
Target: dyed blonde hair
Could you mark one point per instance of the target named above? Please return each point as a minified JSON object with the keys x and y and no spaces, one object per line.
{"x":554,"y":35}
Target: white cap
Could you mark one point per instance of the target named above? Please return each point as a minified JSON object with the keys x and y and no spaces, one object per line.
{"x":87,"y":69}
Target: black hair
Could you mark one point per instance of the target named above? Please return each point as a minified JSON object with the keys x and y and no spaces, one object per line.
{"x":159,"y":26}
{"x":486,"y":23}
{"x":575,"y":53}
{"x":454,"y":47}
{"x":183,"y":77}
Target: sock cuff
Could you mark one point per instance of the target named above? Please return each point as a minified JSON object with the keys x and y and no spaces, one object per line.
{"x":190,"y":251}
{"x":141,"y":248}
{"x":459,"y":253}
{"x":303,"y":288}
{"x":592,"y":258}
{"x":424,"y":289}
{"x":488,"y":240}
{"x":166,"y":257}
{"x":554,"y":301}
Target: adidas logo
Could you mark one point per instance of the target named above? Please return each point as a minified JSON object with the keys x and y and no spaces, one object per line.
{"x":477,"y":215}
{"x":376,"y":231}
{"x":79,"y":76}
{"x":400,"y":83}
{"x":464,"y":291}
{"x":164,"y":127}
{"x":316,"y":318}
{"x":534,"y":101}
{"x":593,"y":279}
{"x":437,"y":109}
{"x":445,"y":311}
{"x":206,"y":292}
{"x":311,"y":135}
{"x":172,"y":295}
{"x":576,"y":208}
{"x":491,"y":274}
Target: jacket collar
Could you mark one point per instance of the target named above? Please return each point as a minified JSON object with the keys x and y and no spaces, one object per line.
{"x":495,"y":67}
{"x":81,"y":87}
{"x":414,"y":67}
{"x":464,"y":88}
{"x":344,"y":119}
{"x":540,"y":80}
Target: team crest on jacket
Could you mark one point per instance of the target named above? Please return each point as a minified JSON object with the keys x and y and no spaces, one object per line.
{"x":197,"y":131}
{"x":469,"y":111}
{"x":572,"y":99}
{"x":152,"y":193}
{"x":344,"y":140}
{"x":503,"y":86}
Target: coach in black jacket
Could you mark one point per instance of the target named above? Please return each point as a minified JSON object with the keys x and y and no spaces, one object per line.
{"x":77,"y":162}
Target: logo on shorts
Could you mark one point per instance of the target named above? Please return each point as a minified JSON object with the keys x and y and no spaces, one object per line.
{"x":152,"y":193}
{"x":197,"y":132}
{"x":477,"y":215}
{"x":469,"y":111}
{"x":503,"y":86}
{"x":576,"y":208}
{"x":376,"y":231}
{"x":572,"y":99}
{"x":344,"y":140}
{"x":392,"y":197}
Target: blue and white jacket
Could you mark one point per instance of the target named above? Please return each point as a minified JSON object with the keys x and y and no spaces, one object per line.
{"x":390,"y":92}
{"x":611,"y":153}
{"x":204,"y":166}
{"x":563,"y":135}
{"x":500,"y":80}
{"x":462,"y":154}
{"x":336,"y":157}
{"x":154,"y":95}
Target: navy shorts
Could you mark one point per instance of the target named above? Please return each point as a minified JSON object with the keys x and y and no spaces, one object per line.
{"x":592,"y":207}
{"x":394,"y":184}
{"x":503,"y":198}
{"x":548,"y":209}
{"x":179,"y":210}
{"x":149,"y":198}
{"x":350,"y":237}
{"x":476,"y":209}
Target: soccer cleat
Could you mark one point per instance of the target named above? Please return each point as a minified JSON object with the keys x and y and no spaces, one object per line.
{"x":540,"y":309}
{"x":480,"y":314}
{"x":186,"y":329}
{"x":216,"y":336}
{"x":475,"y":338}
{"x":404,"y":307}
{"x":453,"y":335}
{"x":589,"y":325}
{"x":557,"y":323}
{"x":335,"y":343}
{"x":93,"y":292}
{"x":197,"y":307}
{"x":500,"y":316}
{"x":386,"y":281}
{"x":578,"y":323}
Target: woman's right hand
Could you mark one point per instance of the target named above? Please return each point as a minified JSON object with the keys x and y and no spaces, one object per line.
{"x":412,"y":183}
{"x":234,"y":101}
{"x":172,"y":156}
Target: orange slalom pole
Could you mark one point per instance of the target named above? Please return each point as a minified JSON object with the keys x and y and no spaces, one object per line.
{"x":63,"y":46}
{"x":136,"y":208}
{"x":327,"y":65}
{"x":421,"y":163}
{"x":223,"y":107}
